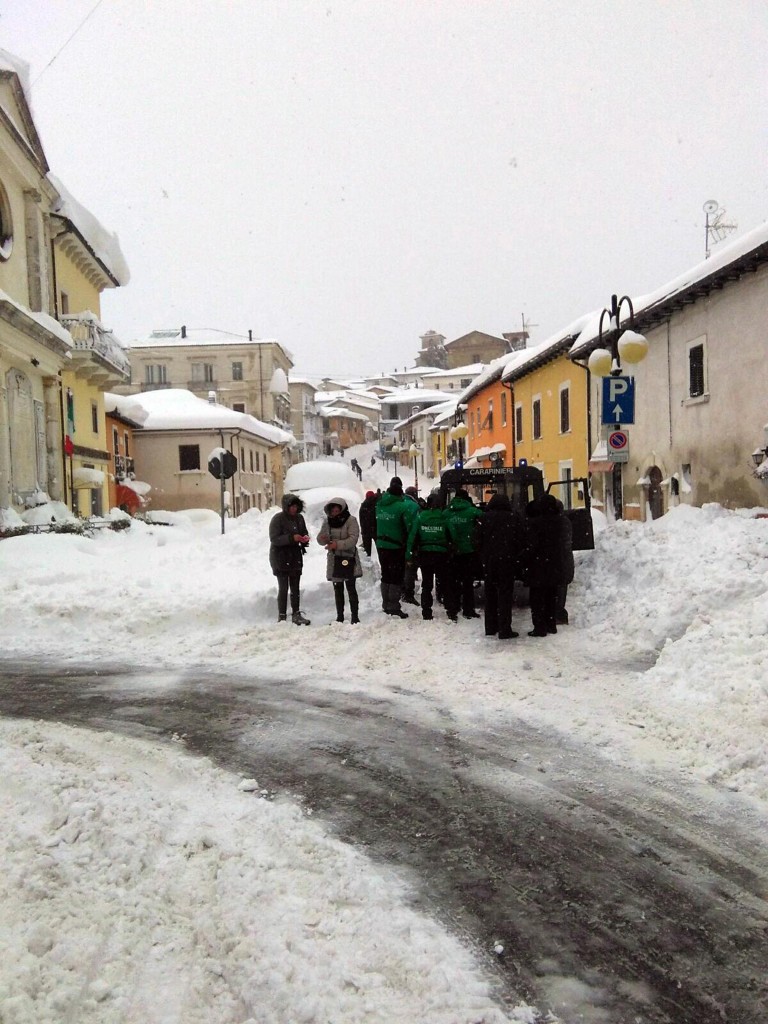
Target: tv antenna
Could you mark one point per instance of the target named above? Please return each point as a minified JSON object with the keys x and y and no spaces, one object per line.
{"x":715,"y":230}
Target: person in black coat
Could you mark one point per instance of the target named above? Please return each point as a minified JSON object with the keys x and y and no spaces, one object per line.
{"x":561,"y":615}
{"x":367,"y":519}
{"x":288,"y":539}
{"x":546,"y":562}
{"x":502,"y":542}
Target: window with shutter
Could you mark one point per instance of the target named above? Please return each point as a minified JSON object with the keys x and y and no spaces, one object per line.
{"x":696,"y":371}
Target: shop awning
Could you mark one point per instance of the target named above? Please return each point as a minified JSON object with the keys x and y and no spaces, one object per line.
{"x":598,"y":460}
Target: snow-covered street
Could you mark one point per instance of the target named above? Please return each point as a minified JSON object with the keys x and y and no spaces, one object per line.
{"x":168,"y":891}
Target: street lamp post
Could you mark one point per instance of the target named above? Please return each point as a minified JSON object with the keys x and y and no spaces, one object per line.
{"x":625,"y":343}
{"x":413,"y":451}
{"x":458,"y":432}
{"x":395,"y":453}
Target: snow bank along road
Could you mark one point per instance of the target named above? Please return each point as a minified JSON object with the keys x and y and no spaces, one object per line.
{"x":616,"y":898}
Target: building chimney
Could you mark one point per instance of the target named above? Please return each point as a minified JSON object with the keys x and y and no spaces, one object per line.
{"x":184,"y":330}
{"x":516,"y":340}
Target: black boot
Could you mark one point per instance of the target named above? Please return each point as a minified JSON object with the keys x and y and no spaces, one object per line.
{"x":338,"y":593}
{"x":393,"y":606}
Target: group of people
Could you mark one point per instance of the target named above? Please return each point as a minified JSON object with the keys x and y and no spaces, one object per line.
{"x":451,"y":547}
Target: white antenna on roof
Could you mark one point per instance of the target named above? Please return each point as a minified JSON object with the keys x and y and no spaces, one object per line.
{"x":715,"y":230}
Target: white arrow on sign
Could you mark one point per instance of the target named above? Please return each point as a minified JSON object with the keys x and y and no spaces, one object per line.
{"x":617,"y":411}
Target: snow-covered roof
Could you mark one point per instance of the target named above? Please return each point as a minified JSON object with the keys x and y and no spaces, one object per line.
{"x":443,"y":408}
{"x":178,"y":409}
{"x":104,"y":244}
{"x":422,"y":396}
{"x":10,"y":62}
{"x":125,"y":406}
{"x":716,"y":266}
{"x":365,"y":401}
{"x":48,"y":323}
{"x":444,"y":419}
{"x":472,"y":370}
{"x":341,"y":410}
{"x":177,"y":337}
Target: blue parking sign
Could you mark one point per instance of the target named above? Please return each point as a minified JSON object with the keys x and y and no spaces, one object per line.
{"x":618,"y":400}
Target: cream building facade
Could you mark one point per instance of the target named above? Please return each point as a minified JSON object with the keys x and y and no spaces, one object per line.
{"x":246,"y":374}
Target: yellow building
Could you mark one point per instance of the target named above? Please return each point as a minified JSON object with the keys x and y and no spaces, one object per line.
{"x":86,"y":261}
{"x":532,"y":407}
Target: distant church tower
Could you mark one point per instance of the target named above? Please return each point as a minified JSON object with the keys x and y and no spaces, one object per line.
{"x":433,"y":351}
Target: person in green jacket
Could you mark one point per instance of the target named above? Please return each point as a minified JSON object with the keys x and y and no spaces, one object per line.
{"x":394,"y":515}
{"x":462,"y":519}
{"x":428,"y":541}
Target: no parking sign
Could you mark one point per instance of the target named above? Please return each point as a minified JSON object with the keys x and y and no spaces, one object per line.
{"x":618,"y":446}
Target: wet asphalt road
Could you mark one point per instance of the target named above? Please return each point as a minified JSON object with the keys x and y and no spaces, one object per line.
{"x":618,"y":898}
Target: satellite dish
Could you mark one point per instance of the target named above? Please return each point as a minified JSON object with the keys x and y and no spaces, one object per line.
{"x":710,"y":206}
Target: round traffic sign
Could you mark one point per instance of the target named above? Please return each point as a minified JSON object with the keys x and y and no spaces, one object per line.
{"x":618,"y":440}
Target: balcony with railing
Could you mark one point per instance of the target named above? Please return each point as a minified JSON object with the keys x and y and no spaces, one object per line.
{"x":123,"y":466}
{"x":97,"y":355}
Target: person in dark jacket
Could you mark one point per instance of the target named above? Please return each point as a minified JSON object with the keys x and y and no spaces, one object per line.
{"x":561,"y":614}
{"x":288,"y":539}
{"x":368,"y":521}
{"x":339,"y":535}
{"x":394,"y":515}
{"x":412,"y":566}
{"x":463,"y":519}
{"x":502,"y":542}
{"x":545,"y":561}
{"x":428,"y":541}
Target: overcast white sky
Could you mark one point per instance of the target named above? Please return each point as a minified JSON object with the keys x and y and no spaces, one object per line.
{"x":347,"y":175}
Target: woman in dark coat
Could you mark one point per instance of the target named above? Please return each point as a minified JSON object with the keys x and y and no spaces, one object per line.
{"x":339,"y":535}
{"x":288,"y":539}
{"x":502,"y":540}
{"x":546,"y":561}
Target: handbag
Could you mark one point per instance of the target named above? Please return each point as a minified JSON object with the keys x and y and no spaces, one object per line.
{"x":343,"y":567}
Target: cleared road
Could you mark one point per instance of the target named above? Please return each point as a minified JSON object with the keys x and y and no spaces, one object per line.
{"x":617,"y":898}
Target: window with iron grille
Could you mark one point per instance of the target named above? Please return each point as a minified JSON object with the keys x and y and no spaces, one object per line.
{"x":237,"y":371}
{"x":536,"y":416}
{"x":696,"y":371}
{"x":565,"y":410}
{"x":518,"y":423}
{"x":503,"y":408}
{"x":189,"y":456}
{"x":95,"y":416}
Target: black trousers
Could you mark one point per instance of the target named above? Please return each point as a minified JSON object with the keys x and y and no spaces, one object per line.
{"x":498,"y":607}
{"x":283,"y":582}
{"x":392,"y":561}
{"x":543,"y":599}
{"x":433,"y":565}
{"x":459,"y":589}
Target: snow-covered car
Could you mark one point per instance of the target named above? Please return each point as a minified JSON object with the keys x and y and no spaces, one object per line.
{"x":318,"y":481}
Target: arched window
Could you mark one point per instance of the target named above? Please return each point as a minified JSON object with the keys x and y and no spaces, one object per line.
{"x":6,"y":225}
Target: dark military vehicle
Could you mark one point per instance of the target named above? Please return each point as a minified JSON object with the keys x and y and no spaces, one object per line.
{"x":522,"y":484}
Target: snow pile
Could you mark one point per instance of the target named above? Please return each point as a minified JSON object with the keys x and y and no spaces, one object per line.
{"x":664,"y":660}
{"x":141,"y":885}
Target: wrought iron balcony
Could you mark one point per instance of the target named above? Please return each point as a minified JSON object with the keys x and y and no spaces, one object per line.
{"x":92,"y":340}
{"x":123,"y":466}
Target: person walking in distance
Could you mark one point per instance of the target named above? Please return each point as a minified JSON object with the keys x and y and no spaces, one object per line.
{"x":428,"y":541}
{"x":502,"y":541}
{"x":394,"y":515}
{"x":339,"y":535}
{"x":288,"y":540}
